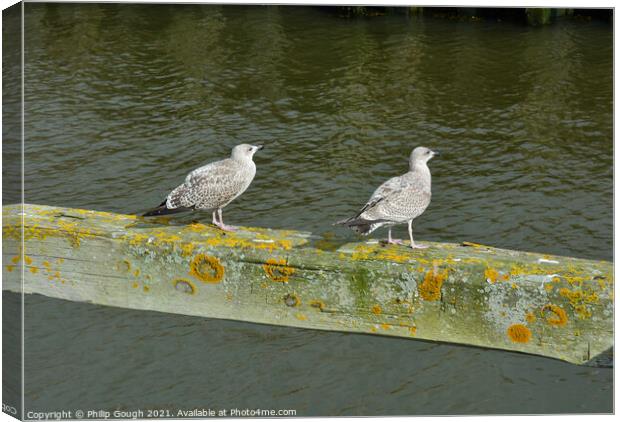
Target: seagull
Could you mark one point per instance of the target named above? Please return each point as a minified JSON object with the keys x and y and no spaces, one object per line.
{"x":213,"y":186}
{"x":397,"y":201}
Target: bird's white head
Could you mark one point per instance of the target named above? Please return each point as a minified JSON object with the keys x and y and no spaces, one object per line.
{"x":244,"y":152}
{"x":420,"y":155}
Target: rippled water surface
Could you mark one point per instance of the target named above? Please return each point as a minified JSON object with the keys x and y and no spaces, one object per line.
{"x":122,"y":101}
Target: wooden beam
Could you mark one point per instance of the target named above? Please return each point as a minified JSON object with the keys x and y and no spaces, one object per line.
{"x":468,"y":294}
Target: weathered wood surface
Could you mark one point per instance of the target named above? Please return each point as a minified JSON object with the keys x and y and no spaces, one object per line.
{"x":468,"y":294}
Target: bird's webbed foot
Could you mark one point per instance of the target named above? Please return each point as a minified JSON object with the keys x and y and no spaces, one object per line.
{"x":226,"y":227}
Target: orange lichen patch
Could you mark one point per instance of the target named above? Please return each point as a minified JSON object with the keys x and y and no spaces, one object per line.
{"x":514,"y":286}
{"x":412,"y":331}
{"x":28,"y":260}
{"x":430,"y":289}
{"x":206,"y":268}
{"x":506,"y":277}
{"x":555,"y":280}
{"x":373,"y":329}
{"x":519,"y":333}
{"x":530,"y":317}
{"x":146,"y":289}
{"x":137,"y":272}
{"x":301,"y":317}
{"x":278,"y":270}
{"x":134,"y":285}
{"x":386,"y":326}
{"x":579,"y":299}
{"x":377,"y":310}
{"x":34,"y":270}
{"x":558,"y":317}
{"x":548,"y":287}
{"x":184,"y":285}
{"x":10,"y":268}
{"x":317,"y":304}
{"x":46,"y":264}
{"x":15,"y":259}
{"x":292,"y":300}
{"x":490,"y":275}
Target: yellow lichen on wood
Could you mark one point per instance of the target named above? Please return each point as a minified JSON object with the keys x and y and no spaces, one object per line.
{"x":430,"y":289}
{"x":558,"y":317}
{"x":278,"y":270}
{"x":236,"y":242}
{"x":184,"y":285}
{"x":317,"y":304}
{"x":207,"y":268}
{"x":292,"y":300}
{"x":490,"y":275}
{"x":579,"y":299}
{"x":340,"y":287}
{"x":388,"y":253}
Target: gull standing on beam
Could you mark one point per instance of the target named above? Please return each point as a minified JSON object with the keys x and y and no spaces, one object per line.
{"x":397,"y":201}
{"x":213,"y":186}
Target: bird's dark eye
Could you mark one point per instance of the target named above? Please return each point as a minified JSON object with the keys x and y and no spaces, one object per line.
{"x":250,"y":149}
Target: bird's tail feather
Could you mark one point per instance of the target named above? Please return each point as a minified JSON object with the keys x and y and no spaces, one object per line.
{"x":163,"y":210}
{"x":359,"y":225}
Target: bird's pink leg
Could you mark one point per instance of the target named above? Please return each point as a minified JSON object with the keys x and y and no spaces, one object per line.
{"x":215,"y":222}
{"x":221,"y":224}
{"x":393,"y":241}
{"x":413,"y":244}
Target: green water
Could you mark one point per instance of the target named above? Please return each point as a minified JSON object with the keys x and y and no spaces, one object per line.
{"x":123,"y":100}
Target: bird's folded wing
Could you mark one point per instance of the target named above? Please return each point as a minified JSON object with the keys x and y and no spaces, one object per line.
{"x":214,"y":182}
{"x":213,"y":173}
{"x":400,"y":202}
{"x":386,"y":189}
